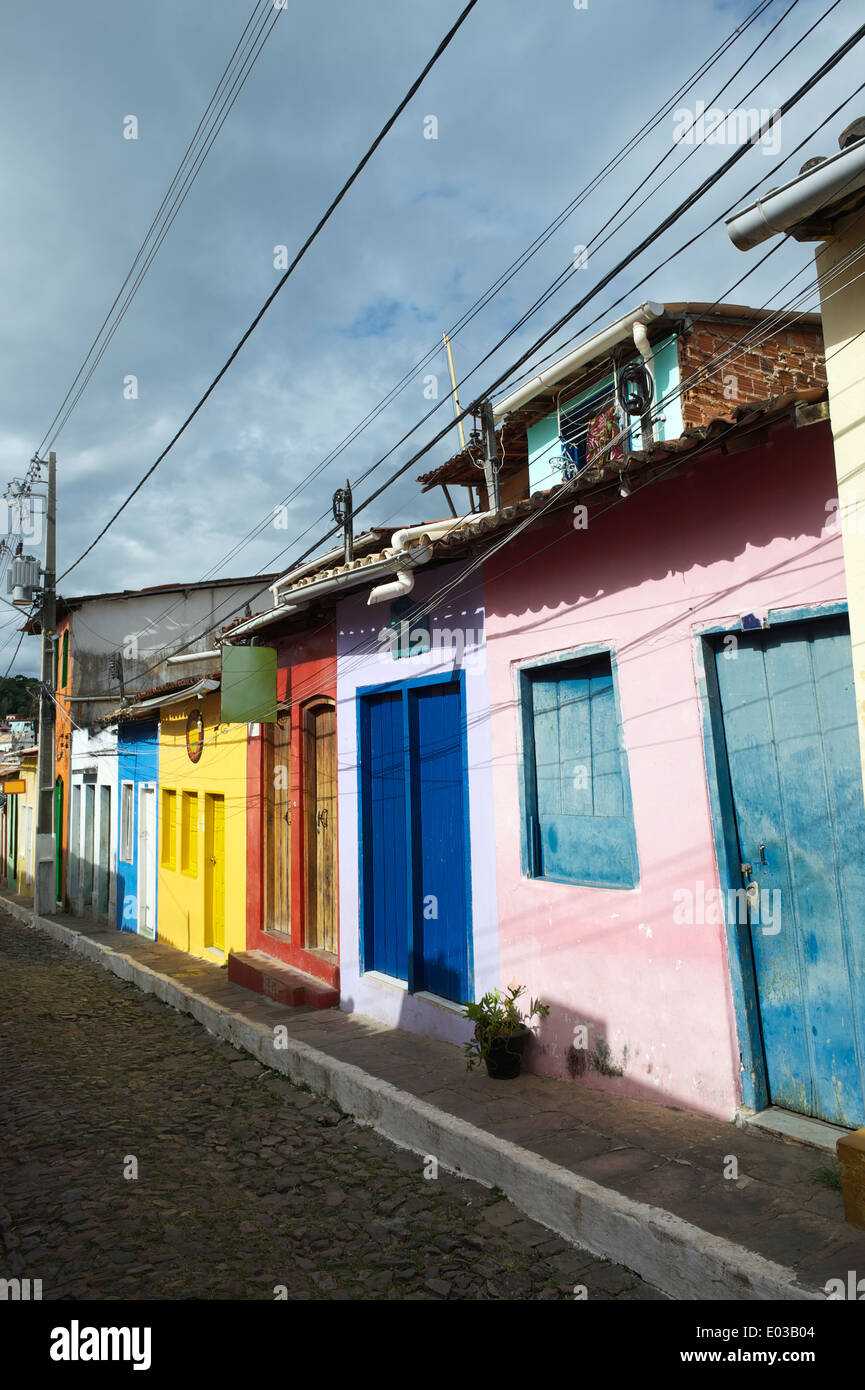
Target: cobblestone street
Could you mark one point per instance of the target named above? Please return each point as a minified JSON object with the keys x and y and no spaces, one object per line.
{"x":244,"y":1183}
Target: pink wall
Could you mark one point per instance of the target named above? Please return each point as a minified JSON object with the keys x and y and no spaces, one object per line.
{"x":734,"y":535}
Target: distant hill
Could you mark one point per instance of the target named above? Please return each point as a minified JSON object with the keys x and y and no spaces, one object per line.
{"x":17,"y":696}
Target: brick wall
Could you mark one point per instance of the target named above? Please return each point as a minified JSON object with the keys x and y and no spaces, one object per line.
{"x":786,"y":360}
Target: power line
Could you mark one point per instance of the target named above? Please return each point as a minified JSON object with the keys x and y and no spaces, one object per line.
{"x":518,"y":264}
{"x":701,"y":373}
{"x":183,"y":179}
{"x":503,"y":279}
{"x":826,"y":67}
{"x":285,"y":277}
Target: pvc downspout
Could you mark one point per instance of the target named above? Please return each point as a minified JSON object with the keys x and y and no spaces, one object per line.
{"x":783,"y":207}
{"x":595,"y":347}
{"x":644,"y":348}
{"x":403,"y":581}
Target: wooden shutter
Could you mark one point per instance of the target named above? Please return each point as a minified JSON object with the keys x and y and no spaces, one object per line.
{"x":580,"y":809}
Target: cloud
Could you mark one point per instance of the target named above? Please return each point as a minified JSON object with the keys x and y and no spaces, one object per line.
{"x":530,"y":103}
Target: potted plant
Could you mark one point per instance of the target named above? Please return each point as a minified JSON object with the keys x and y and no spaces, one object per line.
{"x":501,"y":1031}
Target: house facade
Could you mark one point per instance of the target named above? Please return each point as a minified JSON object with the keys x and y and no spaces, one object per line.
{"x":201,"y":887}
{"x":673,"y":722}
{"x":92,"y":825}
{"x":116,"y":648}
{"x":137,"y":825}
{"x":673,"y":730}
{"x":293,"y":910}
{"x":825,"y":204}
{"x":417,"y":847}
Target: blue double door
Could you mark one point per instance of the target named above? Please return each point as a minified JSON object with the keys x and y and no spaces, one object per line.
{"x":415,"y":871}
{"x":790,"y":728}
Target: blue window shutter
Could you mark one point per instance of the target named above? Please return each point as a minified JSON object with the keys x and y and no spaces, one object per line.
{"x":410,"y":623}
{"x":583,"y":830}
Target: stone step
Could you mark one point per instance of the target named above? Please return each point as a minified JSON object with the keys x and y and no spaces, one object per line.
{"x":283,"y":983}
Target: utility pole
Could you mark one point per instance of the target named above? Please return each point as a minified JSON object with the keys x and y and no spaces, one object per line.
{"x":491,"y":456}
{"x":447,"y":343}
{"x":45,"y":882}
{"x":344,"y":517}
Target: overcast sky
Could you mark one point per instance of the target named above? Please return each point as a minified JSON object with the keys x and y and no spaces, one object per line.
{"x":530,"y":100}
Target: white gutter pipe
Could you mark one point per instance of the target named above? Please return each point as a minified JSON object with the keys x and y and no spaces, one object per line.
{"x":190,"y":656}
{"x":594,"y":347}
{"x":317,"y":588}
{"x":793,"y":202}
{"x":401,"y":584}
{"x":401,"y":542}
{"x":644,"y":348}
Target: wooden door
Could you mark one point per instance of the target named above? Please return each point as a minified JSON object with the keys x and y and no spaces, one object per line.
{"x":73,"y":851}
{"x":58,"y":836}
{"x":440,"y":906}
{"x":793,"y":754}
{"x":384,"y":855}
{"x":102,"y":890}
{"x":214,"y":871}
{"x":12,"y":872}
{"x":277,"y":826}
{"x":85,"y":885}
{"x":319,"y":794}
{"x":415,"y":869}
{"x":146,"y":866}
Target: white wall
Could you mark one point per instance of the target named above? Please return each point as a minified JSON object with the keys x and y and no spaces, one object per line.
{"x":142,"y":630}
{"x":93,"y":751}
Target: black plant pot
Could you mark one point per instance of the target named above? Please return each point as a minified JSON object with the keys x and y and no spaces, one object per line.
{"x":505,"y":1056}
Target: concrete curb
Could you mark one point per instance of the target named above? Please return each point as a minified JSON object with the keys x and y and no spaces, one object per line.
{"x":680,"y":1259}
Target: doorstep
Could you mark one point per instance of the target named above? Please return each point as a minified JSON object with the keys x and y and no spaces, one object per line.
{"x":801,"y":1129}
{"x":700,"y":1208}
{"x":284,"y":984}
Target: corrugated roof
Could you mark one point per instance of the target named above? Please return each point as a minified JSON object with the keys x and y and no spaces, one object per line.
{"x":144,"y":701}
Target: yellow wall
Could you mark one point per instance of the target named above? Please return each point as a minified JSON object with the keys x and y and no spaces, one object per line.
{"x":26,"y":861}
{"x":843,"y":318}
{"x":220,"y":770}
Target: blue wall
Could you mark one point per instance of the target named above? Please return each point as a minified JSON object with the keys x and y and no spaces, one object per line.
{"x":137,"y":762}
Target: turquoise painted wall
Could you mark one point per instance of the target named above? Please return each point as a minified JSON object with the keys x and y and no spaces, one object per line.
{"x":544,"y":444}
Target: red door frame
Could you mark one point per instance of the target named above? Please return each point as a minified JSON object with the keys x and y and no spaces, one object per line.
{"x":306,"y":671}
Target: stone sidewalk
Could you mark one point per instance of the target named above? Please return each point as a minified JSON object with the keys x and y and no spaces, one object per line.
{"x":637,"y":1183}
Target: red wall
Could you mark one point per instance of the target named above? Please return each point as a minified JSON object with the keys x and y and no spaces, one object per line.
{"x":306,"y":670}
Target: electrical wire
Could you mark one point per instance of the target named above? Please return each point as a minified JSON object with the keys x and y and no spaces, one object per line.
{"x":325,"y":218}
{"x":605,"y":312}
{"x":709,"y":182}
{"x":184,"y":178}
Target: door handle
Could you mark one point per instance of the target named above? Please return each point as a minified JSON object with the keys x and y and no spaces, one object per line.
{"x":763,"y":855}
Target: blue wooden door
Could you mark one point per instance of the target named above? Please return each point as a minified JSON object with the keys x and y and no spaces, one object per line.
{"x":438,"y":841}
{"x":384,"y":882}
{"x":414,"y":864}
{"x":793,"y":753}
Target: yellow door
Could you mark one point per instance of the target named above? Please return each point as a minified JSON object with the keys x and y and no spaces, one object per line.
{"x":214,"y":871}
